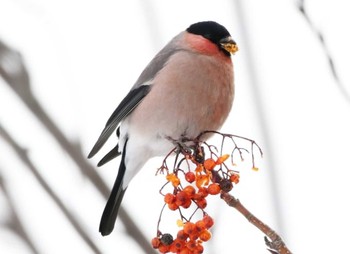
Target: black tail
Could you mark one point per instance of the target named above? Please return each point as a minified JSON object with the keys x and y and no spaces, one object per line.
{"x":110,"y":212}
{"x":114,"y":153}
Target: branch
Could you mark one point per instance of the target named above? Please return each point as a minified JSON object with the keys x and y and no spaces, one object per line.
{"x":275,"y":243}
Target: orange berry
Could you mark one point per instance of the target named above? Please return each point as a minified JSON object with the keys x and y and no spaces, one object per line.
{"x":202,"y":203}
{"x":234,"y":178}
{"x":187,"y":204}
{"x":208,"y":221}
{"x":205,"y":235}
{"x":199,"y":249}
{"x":203,"y":192}
{"x":182,"y":198}
{"x":173,"y":206}
{"x":214,"y":189}
{"x":200,"y":225}
{"x":155,"y":242}
{"x":191,"y":245}
{"x":169,"y":198}
{"x":185,"y":250}
{"x":163,"y":248}
{"x":177,"y":245}
{"x":189,"y":228}
{"x":190,"y":177}
{"x":194,"y":236}
{"x":181,"y":235}
{"x":189,"y":190}
{"x":209,"y":164}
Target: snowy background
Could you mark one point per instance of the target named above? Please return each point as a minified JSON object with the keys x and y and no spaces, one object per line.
{"x":80,"y":58}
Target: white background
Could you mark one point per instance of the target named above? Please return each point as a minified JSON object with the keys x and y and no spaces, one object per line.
{"x":83,"y":57}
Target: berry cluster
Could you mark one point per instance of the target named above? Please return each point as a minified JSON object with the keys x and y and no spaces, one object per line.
{"x":191,"y":188}
{"x":207,"y":180}
{"x":188,"y":240}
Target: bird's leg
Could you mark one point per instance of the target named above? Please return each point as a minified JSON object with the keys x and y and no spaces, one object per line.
{"x":199,"y":154}
{"x":188,"y":146}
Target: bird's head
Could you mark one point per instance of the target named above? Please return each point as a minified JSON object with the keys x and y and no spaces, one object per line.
{"x":217,"y":34}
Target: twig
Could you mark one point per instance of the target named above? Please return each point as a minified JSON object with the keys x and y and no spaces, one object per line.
{"x":236,"y":147}
{"x":275,"y":244}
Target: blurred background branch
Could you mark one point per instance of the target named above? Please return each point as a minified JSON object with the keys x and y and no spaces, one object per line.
{"x":22,"y":154}
{"x":14,"y":72}
{"x":323,"y":41}
{"x":14,"y":222}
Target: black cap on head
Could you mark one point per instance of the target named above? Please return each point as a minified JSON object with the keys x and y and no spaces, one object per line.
{"x":209,"y":29}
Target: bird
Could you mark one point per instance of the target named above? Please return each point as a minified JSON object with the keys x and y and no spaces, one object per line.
{"x":186,"y":89}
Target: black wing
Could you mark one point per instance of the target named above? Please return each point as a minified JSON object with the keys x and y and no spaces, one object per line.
{"x":132,"y":99}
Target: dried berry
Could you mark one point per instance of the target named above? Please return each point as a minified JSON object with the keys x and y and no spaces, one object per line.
{"x":226,"y":185}
{"x":166,"y":239}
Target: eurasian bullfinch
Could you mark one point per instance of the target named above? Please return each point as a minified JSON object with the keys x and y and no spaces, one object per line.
{"x":186,"y":89}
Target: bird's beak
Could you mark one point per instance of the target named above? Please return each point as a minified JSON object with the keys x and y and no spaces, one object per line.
{"x":229,"y":45}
